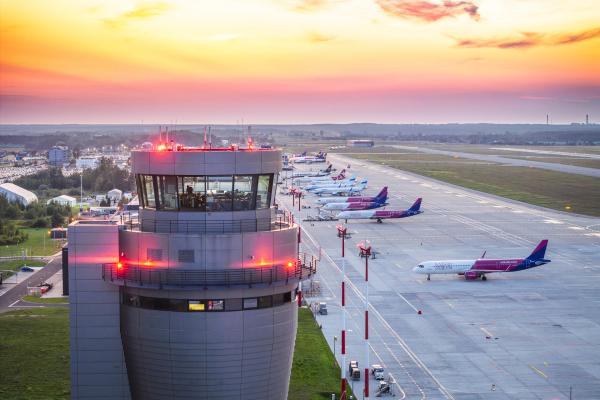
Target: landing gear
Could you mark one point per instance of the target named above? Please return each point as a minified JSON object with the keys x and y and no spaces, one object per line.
{"x":379,"y":221}
{"x":483,"y":278}
{"x":428,"y":277}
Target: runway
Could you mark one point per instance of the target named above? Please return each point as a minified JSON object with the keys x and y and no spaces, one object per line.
{"x":569,"y":169}
{"x":525,"y":335}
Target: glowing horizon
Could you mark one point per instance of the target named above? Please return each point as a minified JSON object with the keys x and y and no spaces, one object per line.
{"x":299,"y":61}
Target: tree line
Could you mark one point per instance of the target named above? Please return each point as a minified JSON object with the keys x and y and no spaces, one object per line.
{"x":105,"y":177}
{"x":35,"y":215}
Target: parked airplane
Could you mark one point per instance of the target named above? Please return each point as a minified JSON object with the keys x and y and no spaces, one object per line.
{"x":313,"y":180}
{"x":381,"y":215}
{"x":342,"y":190}
{"x":319,"y":185}
{"x":355,"y":205}
{"x":359,"y":199}
{"x":474,"y":269}
{"x":319,"y":158}
{"x":378,"y":201}
{"x":311,"y":174}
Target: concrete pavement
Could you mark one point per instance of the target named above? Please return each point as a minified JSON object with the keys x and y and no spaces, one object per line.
{"x":522,"y":335}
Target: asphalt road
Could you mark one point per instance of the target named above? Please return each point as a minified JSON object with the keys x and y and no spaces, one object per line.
{"x":20,"y":290}
{"x":522,"y":335}
{"x":570,"y":169}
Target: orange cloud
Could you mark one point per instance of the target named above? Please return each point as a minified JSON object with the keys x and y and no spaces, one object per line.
{"x":316,"y":37}
{"x":530,"y":39}
{"x":428,"y":11}
{"x":307,"y":5}
{"x":140,"y":12}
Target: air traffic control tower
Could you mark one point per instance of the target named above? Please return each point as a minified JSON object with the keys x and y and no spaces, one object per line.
{"x":197,"y":298}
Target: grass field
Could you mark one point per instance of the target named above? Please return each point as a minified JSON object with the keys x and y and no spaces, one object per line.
{"x":556,"y":190}
{"x":497,"y":149}
{"x":34,"y":354}
{"x":34,"y":357}
{"x":313,"y":374}
{"x":46,"y":300}
{"x":37,"y":244}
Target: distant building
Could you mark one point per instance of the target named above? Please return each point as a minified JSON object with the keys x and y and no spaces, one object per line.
{"x":58,"y":155}
{"x":114,"y":194}
{"x":16,"y":194}
{"x":63,"y":200}
{"x":87,"y":162}
{"x":360,"y":143}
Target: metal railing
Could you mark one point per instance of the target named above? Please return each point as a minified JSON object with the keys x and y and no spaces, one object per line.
{"x":130,"y":275}
{"x":282,"y":221}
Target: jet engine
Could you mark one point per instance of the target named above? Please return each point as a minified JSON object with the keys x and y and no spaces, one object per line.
{"x":470,"y":275}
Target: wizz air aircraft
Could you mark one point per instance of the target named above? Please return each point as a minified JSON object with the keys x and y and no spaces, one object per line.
{"x":378,"y":201}
{"x":304,"y":159}
{"x":383,"y":194}
{"x":319,"y":185}
{"x":347,"y":189}
{"x":314,"y":180}
{"x":474,"y":269}
{"x":313,"y":174}
{"x":381,"y":215}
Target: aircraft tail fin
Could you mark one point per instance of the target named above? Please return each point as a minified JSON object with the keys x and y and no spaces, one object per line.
{"x":382,"y":195}
{"x":328,"y":169}
{"x":417,"y":205}
{"x":540,"y":251}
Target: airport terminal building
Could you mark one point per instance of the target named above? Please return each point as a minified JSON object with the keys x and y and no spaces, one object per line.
{"x":196,"y":299}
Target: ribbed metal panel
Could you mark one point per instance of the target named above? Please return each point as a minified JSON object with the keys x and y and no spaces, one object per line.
{"x":230,"y":355}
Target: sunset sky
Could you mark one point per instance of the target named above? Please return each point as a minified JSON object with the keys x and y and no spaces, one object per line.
{"x":277,"y":61}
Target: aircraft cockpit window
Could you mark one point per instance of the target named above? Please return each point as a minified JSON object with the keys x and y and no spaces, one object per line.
{"x":421,"y":266}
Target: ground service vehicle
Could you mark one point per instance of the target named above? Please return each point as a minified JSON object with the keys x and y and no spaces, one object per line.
{"x":377,"y":372}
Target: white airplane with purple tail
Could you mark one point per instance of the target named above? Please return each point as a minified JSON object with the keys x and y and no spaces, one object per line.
{"x":379,"y":216}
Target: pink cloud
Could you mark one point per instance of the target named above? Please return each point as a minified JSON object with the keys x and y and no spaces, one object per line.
{"x":530,"y":39}
{"x":428,"y":11}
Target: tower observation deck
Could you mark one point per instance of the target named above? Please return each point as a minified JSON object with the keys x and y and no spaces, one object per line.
{"x":198,"y":297}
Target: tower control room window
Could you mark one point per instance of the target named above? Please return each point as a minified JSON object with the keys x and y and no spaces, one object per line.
{"x":149,"y":194}
{"x":206,"y":193}
{"x":219,"y":193}
{"x":263,"y":192}
{"x":167,"y":191}
{"x":192,"y":195}
{"x":243,"y":198}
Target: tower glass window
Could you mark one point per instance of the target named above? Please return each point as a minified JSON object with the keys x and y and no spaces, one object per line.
{"x":167,"y":190}
{"x":149,"y":196}
{"x":206,"y":193}
{"x":263,"y":193}
{"x":243,"y":198}
{"x":219,"y":193}
{"x":192,"y":194}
